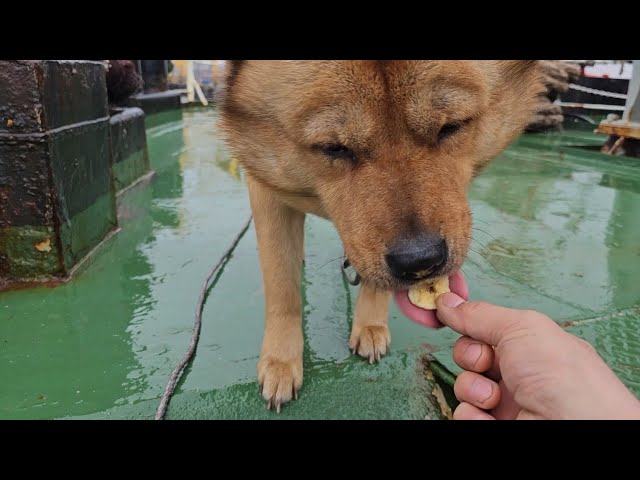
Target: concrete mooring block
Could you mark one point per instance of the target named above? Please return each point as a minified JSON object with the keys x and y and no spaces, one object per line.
{"x":129,"y":155}
{"x":57,"y":195}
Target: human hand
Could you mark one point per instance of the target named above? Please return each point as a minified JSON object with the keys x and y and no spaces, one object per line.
{"x":520,"y":364}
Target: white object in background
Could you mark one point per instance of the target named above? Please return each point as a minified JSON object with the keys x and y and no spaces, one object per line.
{"x":192,"y":85}
{"x":611,"y":70}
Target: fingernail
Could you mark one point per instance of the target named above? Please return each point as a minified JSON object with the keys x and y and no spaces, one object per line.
{"x":472,"y":353}
{"x":481,"y":390}
{"x":450,"y":299}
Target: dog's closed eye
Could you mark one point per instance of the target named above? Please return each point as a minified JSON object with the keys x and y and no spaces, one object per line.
{"x":337,"y":151}
{"x":451,"y":128}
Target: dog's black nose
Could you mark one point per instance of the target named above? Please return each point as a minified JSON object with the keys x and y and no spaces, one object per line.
{"x":416,"y":258}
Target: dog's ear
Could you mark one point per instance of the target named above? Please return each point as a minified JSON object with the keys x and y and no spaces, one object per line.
{"x":516,"y":96}
{"x":235,"y":64}
{"x":233,"y":70}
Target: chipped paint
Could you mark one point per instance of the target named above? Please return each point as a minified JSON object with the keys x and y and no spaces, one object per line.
{"x":442,"y":401}
{"x":43,"y":246}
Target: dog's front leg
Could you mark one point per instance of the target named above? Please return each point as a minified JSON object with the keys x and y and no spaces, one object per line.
{"x":370,"y":336}
{"x":280,"y":233}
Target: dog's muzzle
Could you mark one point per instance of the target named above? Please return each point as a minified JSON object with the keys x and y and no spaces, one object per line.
{"x":353,"y":278}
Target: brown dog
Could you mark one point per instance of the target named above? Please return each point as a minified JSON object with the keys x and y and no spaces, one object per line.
{"x":384,"y":149}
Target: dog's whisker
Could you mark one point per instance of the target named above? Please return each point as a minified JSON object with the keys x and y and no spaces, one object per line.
{"x":478,"y":242}
{"x":475,"y":251}
{"x":469,"y":274}
{"x":475,"y":263}
{"x":339,"y":258}
{"x":477,"y":219}
{"x":486,"y":233}
{"x":472,"y":239}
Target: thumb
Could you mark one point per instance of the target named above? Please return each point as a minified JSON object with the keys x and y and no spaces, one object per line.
{"x":480,"y":320}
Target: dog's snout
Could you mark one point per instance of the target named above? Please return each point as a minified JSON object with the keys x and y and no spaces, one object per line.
{"x":418,"y":257}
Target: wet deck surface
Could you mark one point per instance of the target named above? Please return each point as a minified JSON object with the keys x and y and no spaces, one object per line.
{"x":557,"y":230}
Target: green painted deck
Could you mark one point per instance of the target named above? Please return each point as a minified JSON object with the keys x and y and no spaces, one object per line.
{"x":557,"y":230}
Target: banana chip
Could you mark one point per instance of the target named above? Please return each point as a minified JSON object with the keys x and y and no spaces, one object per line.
{"x":424,"y":295}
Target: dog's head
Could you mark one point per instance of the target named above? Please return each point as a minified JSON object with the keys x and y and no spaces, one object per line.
{"x":388,"y":148}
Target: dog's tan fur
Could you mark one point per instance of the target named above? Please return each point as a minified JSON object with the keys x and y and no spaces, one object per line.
{"x":276,"y":116}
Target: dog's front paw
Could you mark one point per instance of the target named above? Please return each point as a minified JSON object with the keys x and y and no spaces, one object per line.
{"x":370,"y":341}
{"x":279,"y":380}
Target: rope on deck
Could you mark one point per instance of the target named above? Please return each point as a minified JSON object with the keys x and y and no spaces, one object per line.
{"x":195,"y":336}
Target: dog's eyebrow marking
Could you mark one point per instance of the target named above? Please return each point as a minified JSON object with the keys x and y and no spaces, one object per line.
{"x":447,"y":93}
{"x":447,"y":97}
{"x":321,"y":123}
{"x":382,"y":74}
{"x":350,"y":125}
{"x":428,"y":108}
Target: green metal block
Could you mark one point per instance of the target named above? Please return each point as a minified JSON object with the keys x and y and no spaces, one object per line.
{"x":128,"y":146}
{"x":80,"y":234}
